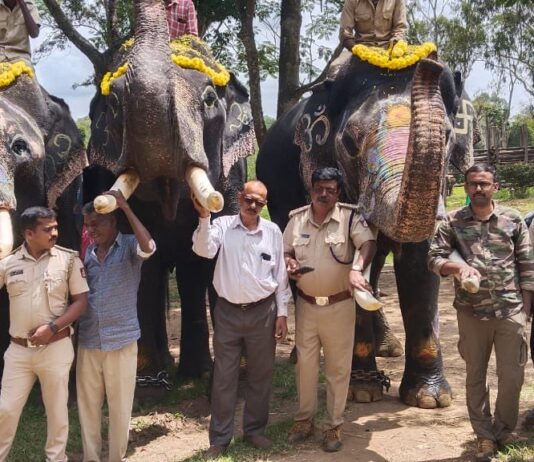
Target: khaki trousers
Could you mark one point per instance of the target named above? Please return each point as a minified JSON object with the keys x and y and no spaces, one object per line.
{"x":110,"y":374}
{"x":51,"y":365}
{"x":332,"y":328}
{"x":477,"y":339}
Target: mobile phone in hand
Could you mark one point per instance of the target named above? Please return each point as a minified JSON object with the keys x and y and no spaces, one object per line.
{"x":303,"y":270}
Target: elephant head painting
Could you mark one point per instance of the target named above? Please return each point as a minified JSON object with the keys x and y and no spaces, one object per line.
{"x":392,"y":133}
{"x":41,"y":160}
{"x":161,"y":116}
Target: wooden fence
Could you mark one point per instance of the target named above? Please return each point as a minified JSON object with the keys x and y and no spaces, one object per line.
{"x":505,"y":155}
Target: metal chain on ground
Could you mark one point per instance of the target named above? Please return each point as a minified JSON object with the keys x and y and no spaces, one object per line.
{"x":371,"y":376}
{"x":161,"y":379}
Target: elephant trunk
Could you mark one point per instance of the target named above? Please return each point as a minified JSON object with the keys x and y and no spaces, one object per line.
{"x":415,"y":211}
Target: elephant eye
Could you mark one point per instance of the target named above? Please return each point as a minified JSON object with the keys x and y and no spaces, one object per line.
{"x":19,"y":146}
{"x":210,"y":97}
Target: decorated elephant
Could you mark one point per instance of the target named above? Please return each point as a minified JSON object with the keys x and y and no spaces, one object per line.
{"x":42,"y":156}
{"x":165,"y":110}
{"x":392,"y":133}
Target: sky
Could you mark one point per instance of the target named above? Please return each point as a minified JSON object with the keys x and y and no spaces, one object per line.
{"x":62,"y":69}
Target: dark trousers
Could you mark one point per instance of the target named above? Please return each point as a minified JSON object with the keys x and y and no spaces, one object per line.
{"x":252,"y":329}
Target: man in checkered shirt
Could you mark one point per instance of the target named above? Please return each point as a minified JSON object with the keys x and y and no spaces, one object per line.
{"x":181,"y":18}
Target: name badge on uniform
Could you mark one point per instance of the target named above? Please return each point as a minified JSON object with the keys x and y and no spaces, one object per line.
{"x":266,"y":256}
{"x":16,"y":272}
{"x":82,"y":272}
{"x":304,"y":235}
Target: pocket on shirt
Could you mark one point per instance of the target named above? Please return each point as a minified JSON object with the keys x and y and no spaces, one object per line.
{"x":301,"y":245}
{"x":266,"y":268}
{"x":337,"y":244}
{"x":16,"y":286}
{"x":364,"y":22}
{"x":57,"y":291}
{"x":387,"y":9}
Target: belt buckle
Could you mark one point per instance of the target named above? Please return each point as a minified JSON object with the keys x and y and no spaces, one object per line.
{"x":321,"y":301}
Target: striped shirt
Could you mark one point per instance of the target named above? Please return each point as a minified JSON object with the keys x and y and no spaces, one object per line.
{"x":181,"y":18}
{"x":110,"y":322}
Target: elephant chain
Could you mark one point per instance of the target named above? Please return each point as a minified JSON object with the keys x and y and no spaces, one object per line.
{"x":161,"y":379}
{"x":371,"y":376}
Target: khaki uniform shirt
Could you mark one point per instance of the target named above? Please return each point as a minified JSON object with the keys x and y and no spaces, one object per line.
{"x":39,"y":289}
{"x":14,"y":38}
{"x":364,"y":23}
{"x":310,"y":245}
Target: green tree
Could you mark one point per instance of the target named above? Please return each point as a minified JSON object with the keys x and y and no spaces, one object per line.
{"x":518,"y":121}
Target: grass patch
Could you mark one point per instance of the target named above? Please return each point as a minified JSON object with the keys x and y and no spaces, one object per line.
{"x":284,"y":384}
{"x":517,"y":453}
{"x":503,"y":197}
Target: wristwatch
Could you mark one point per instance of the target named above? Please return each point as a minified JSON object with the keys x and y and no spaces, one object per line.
{"x":53,"y":327}
{"x":357,"y":268}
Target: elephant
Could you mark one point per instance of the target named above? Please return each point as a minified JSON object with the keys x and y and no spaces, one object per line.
{"x":42,"y":155}
{"x":392,"y":134}
{"x":160,"y":119}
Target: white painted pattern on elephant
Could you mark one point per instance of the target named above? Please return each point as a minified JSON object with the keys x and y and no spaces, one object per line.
{"x":321,"y":122}
{"x":464,"y":118}
{"x":64,"y":143}
{"x":240,"y":115}
{"x":210,"y":105}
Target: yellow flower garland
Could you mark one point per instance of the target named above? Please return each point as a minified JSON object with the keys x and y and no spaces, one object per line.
{"x":186,"y":53}
{"x":105,"y":85}
{"x":9,"y":72}
{"x":400,"y":56}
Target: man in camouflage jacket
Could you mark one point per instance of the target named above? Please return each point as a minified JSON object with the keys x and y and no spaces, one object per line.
{"x":494,"y":242}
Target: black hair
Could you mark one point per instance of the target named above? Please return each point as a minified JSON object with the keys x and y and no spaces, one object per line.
{"x":29,"y":219}
{"x":478,"y":168}
{"x":89,"y":208}
{"x":327,"y":174}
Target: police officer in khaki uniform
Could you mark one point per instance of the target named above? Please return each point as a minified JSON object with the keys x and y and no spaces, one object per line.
{"x":19,"y":20}
{"x":324,"y":236}
{"x":47,"y":293}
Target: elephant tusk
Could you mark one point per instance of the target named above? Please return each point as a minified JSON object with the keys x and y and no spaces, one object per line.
{"x":198,"y":181}
{"x":364,"y":298}
{"x":472,"y":283}
{"x":6,"y":233}
{"x":127,"y":182}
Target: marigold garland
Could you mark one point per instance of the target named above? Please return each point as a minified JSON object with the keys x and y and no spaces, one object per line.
{"x":9,"y":72}
{"x":400,"y":56}
{"x":105,"y":85}
{"x":189,"y":52}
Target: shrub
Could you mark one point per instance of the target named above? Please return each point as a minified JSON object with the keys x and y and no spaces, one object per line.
{"x":518,"y":177}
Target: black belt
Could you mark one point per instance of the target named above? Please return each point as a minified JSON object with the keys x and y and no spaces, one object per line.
{"x":248,"y":306}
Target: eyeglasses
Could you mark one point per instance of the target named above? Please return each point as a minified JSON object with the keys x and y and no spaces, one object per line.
{"x":319,"y":190}
{"x":477,"y":184}
{"x":249,"y":200}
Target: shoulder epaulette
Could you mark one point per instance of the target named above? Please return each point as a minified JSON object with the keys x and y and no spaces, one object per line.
{"x":64,"y":249}
{"x":14,"y":251}
{"x":348,"y":206}
{"x":299,"y":210}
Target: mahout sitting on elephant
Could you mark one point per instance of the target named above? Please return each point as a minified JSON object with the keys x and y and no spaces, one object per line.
{"x":171,"y":113}
{"x":42,"y":156}
{"x":392,"y":133}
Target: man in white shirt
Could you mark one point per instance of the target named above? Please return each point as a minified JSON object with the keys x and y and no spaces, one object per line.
{"x":251,"y":312}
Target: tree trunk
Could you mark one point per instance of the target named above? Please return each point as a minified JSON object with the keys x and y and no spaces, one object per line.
{"x":289,"y":61}
{"x":247,"y":9}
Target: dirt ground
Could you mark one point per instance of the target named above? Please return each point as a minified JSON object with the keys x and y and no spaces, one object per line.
{"x":386,"y":430}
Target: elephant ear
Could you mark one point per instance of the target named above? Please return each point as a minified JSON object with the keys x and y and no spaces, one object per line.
{"x":66,"y":156}
{"x":239,"y":137}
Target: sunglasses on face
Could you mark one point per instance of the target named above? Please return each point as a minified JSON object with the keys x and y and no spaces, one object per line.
{"x":252,"y":200}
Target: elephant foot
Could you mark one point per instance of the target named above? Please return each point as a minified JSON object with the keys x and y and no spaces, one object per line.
{"x":367,"y":386}
{"x":427,"y":395}
{"x":389,"y":347}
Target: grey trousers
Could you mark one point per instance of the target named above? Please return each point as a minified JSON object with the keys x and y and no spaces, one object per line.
{"x":477,"y":339}
{"x":252,"y":329}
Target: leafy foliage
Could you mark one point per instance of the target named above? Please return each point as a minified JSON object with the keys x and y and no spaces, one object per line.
{"x":519,"y":177}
